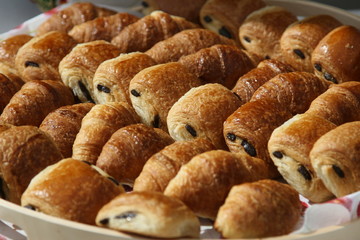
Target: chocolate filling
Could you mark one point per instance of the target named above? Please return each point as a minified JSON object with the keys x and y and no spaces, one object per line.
{"x":85,"y":91}
{"x":278,"y":154}
{"x":231,"y":137}
{"x":128,"y":216}
{"x":31,"y":207}
{"x":338,"y":171}
{"x":135,"y":93}
{"x":156,"y":121}
{"x":247,"y":39}
{"x":31,"y":64}
{"x":191,"y":130}
{"x":104,"y":221}
{"x":299,"y":53}
{"x":102,"y":88}
{"x":330,"y":77}
{"x":249,"y":149}
{"x":303,"y":171}
{"x":207,"y":19}
{"x":318,"y":67}
{"x":223,"y":31}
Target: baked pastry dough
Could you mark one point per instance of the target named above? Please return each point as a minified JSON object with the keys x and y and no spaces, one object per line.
{"x":154,"y":90}
{"x":112,"y":77}
{"x":335,"y":159}
{"x":222,"y":64}
{"x":150,"y":214}
{"x":205,"y":181}
{"x":39,"y":58}
{"x":25,"y":151}
{"x":87,"y":190}
{"x":34,"y":101}
{"x":98,"y":125}
{"x":125,"y":153}
{"x":77,"y":69}
{"x":300,"y":39}
{"x":163,"y":166}
{"x":75,"y":14}
{"x":149,"y":30}
{"x":262,"y":29}
{"x":63,"y":124}
{"x":338,"y":47}
{"x":265,"y":208}
{"x":200,"y":113}
{"x":9,"y":85}
{"x":184,"y":43}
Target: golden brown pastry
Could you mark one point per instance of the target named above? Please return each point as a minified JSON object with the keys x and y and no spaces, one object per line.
{"x":300,"y":39}
{"x":25,"y":151}
{"x":163,"y":166}
{"x":335,"y":159}
{"x":39,"y":58}
{"x":222,"y":64}
{"x":8,"y":87}
{"x":34,"y":101}
{"x":63,"y":124}
{"x":248,"y":83}
{"x":204,"y":182}
{"x":262,"y":29}
{"x":154,"y":90}
{"x":150,"y":214}
{"x":226,"y":16}
{"x":87,"y":190}
{"x":125,"y":153}
{"x":102,"y":28}
{"x":77,"y":69}
{"x":336,"y":58}
{"x":143,"y":34}
{"x":200,"y":113}
{"x":184,"y":43}
{"x":265,"y":208}
{"x":98,"y":125}
{"x":112,"y":77}
{"x":75,"y":14}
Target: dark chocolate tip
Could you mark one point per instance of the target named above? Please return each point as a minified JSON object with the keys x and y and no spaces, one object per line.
{"x":191,"y":130}
{"x":104,"y":89}
{"x":304,"y":172}
{"x":299,"y":53}
{"x":85,"y":91}
{"x":338,"y":171}
{"x":231,"y":137}
{"x":135,"y":93}
{"x":104,"y":221}
{"x":207,"y":19}
{"x":249,"y":148}
{"x":224,"y":32}
{"x":31,"y":64}
{"x":278,"y":154}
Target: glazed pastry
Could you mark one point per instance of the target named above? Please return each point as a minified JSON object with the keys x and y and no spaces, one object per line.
{"x":63,"y":124}
{"x":102,"y":28}
{"x":248,"y":83}
{"x":77,"y":69}
{"x":150,"y":214}
{"x":204,"y":182}
{"x":25,"y":151}
{"x":154,"y":90}
{"x":184,"y":43}
{"x":262,"y":29}
{"x":125,"y":153}
{"x":8,"y":87}
{"x":163,"y":166}
{"x":34,"y":101}
{"x":338,"y":47}
{"x":87,"y":190}
{"x":222,"y":64}
{"x":200,"y":113}
{"x":98,"y":125}
{"x":335,"y":159}
{"x":276,"y":203}
{"x":39,"y":58}
{"x":225,"y":17}
{"x":300,"y":39}
{"x":188,"y":9}
{"x":75,"y":14}
{"x":149,"y":30}
{"x":112,"y":77}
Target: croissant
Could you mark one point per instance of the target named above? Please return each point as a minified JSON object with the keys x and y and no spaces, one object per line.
{"x":77,"y":68}
{"x":249,"y":82}
{"x":143,"y":34}
{"x":98,"y":125}
{"x":184,"y":43}
{"x":300,"y":39}
{"x":150,"y":214}
{"x":112,"y":77}
{"x":154,"y":90}
{"x":338,"y":47}
{"x":87,"y":190}
{"x":102,"y":28}
{"x":262,"y":29}
{"x":39,"y":58}
{"x":335,"y":159}
{"x":34,"y":101}
{"x":163,"y":166}
{"x":204,"y":182}
{"x":265,"y":208}
{"x":9,"y":85}
{"x":63,"y":124}
{"x":25,"y":151}
{"x":75,"y":14}
{"x":222,"y":64}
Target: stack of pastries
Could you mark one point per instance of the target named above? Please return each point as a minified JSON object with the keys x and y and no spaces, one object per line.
{"x":183,"y":114}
